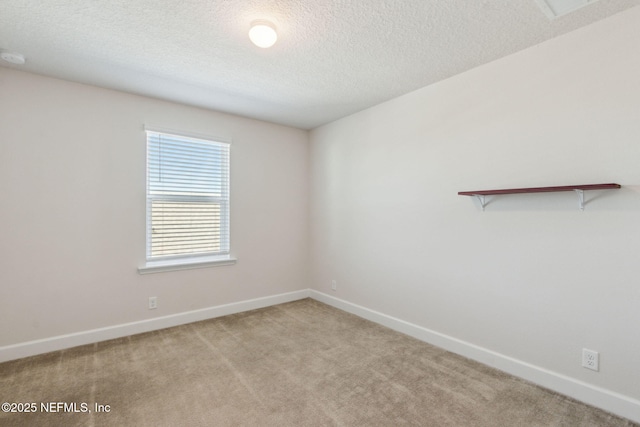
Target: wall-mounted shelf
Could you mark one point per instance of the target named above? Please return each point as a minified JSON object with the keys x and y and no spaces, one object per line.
{"x":579,"y":189}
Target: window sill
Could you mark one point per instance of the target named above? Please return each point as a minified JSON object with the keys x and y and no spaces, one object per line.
{"x":185,"y":264}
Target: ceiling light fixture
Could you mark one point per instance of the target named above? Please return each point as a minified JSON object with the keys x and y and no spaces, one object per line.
{"x":263,"y":33}
{"x":14,"y":58}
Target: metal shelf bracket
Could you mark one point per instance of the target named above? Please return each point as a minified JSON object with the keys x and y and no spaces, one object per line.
{"x":580,"y":194}
{"x":481,"y":199}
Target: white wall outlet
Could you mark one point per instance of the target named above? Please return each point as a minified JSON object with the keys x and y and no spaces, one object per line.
{"x":153,"y":303}
{"x":590,"y":359}
{"x":334,"y":285}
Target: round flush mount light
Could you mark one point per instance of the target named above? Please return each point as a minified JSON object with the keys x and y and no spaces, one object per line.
{"x":263,"y":33}
{"x":12,"y":57}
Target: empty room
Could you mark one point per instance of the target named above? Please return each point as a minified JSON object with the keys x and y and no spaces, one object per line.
{"x":320,"y":213}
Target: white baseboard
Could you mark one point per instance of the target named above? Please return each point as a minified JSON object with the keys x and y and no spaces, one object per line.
{"x":608,"y":400}
{"x":602,"y":398}
{"x":31,"y":348}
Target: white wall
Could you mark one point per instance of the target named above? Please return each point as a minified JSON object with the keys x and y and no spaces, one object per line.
{"x":72,"y":197}
{"x":532,"y":278}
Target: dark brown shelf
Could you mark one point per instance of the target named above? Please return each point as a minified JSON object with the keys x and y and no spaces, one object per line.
{"x":540,"y":189}
{"x":579,"y":189}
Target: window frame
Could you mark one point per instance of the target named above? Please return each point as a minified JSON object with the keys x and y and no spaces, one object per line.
{"x":154,"y":264}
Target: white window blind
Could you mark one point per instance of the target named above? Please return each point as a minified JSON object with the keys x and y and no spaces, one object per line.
{"x":187,"y":197}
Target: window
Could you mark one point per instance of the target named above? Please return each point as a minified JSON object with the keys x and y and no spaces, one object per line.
{"x":187,"y":202}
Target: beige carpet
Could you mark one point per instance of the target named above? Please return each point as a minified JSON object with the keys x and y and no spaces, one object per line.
{"x":297,"y":364}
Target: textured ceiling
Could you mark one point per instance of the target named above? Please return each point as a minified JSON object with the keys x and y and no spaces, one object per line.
{"x":332,"y":58}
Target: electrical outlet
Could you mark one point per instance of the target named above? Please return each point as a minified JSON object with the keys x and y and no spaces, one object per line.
{"x":334,"y":285}
{"x":590,"y":359}
{"x":153,"y":303}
